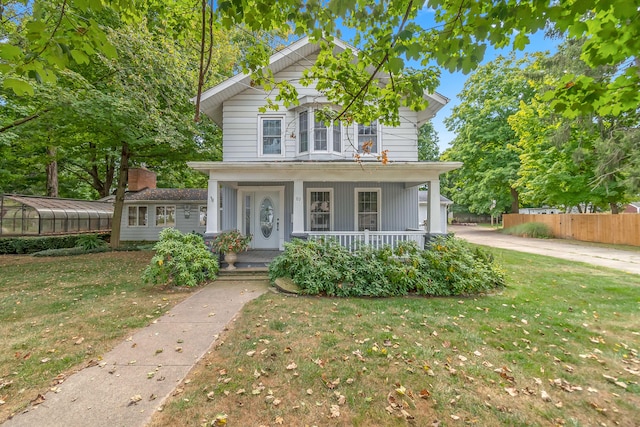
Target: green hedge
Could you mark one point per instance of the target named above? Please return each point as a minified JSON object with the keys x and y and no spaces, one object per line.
{"x":30,"y":245}
{"x":449,"y":267}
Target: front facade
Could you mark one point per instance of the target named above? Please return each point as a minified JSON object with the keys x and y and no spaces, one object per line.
{"x":291,"y":173}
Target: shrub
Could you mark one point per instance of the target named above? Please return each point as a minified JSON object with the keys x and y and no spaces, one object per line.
{"x":180,"y":260}
{"x":449,"y":267}
{"x":453,"y":267}
{"x":29,"y":245}
{"x":90,"y":241}
{"x":530,"y":229}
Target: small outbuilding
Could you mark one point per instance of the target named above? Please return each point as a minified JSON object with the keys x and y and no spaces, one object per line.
{"x":423,"y":206}
{"x":40,"y":216}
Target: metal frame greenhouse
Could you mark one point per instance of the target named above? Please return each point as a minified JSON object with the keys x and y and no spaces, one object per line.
{"x":38,"y":216}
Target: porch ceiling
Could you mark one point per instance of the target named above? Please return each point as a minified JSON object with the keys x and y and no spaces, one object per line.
{"x":407,"y":172}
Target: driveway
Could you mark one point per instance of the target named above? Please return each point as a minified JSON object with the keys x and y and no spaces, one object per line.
{"x":628,"y":261}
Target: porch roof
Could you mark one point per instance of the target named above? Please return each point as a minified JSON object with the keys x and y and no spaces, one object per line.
{"x":413,"y":173}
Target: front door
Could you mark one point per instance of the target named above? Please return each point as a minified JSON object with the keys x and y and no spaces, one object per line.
{"x":263,"y":218}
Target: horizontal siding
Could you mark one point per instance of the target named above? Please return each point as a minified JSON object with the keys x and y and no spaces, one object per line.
{"x":240,"y":125}
{"x":399,"y":205}
{"x":151,"y":232}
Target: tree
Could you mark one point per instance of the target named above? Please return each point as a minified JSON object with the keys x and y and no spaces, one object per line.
{"x":564,"y":160}
{"x":428,"y":149}
{"x":485,"y":142}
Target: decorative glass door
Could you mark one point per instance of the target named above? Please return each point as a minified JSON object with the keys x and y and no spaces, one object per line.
{"x":263,"y":219}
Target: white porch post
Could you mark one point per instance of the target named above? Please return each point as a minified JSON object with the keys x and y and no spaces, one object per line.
{"x":298,"y":207}
{"x":213,"y":227}
{"x":435,"y":220}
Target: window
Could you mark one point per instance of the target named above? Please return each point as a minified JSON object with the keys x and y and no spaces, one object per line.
{"x":304,"y":131}
{"x":320,"y":136}
{"x":202,"y":212}
{"x":165,"y":216}
{"x":324,"y":137}
{"x":368,"y":138}
{"x":271,"y":135}
{"x":137,"y":216}
{"x":337,"y":137}
{"x":368,"y":209}
{"x":320,"y":207}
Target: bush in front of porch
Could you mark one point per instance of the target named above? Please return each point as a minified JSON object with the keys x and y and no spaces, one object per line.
{"x":449,"y":267}
{"x":180,"y":260}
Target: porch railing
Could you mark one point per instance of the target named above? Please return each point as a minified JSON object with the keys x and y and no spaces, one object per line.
{"x":353,"y":239}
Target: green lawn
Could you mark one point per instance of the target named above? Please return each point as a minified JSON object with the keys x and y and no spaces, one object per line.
{"x":558,"y":346}
{"x":59,"y":314}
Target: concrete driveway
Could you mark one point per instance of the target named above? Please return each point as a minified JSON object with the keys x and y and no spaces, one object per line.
{"x":628,"y":261}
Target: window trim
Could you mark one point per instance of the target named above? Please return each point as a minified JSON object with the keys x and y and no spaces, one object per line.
{"x":137,"y":224}
{"x":378,"y":138}
{"x":331,"y":205}
{"x":356,"y":211}
{"x":164,"y":215}
{"x":261,"y":119}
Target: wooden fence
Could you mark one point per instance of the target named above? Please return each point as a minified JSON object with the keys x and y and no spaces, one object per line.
{"x":621,"y":229}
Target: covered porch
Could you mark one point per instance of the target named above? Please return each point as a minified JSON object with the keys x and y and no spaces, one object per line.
{"x":354,"y":203}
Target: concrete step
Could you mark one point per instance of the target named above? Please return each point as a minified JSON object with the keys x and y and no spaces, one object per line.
{"x":244,"y":274}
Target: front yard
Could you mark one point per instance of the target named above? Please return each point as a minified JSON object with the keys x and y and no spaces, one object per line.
{"x":558,"y":346}
{"x":59,"y":314}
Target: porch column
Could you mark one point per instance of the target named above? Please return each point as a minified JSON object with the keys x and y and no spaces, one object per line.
{"x":213,"y":205}
{"x":435,"y":220}
{"x":298,"y":208}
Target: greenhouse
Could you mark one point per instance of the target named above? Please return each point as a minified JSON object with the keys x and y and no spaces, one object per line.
{"x":37,"y":216}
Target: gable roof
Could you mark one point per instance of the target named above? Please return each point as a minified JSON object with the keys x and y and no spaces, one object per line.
{"x":212,"y":99}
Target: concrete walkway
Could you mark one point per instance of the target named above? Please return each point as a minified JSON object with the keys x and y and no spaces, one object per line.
{"x":137,"y":376}
{"x":628,"y":261}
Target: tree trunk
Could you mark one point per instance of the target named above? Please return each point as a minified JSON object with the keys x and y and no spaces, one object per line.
{"x":52,"y":173}
{"x":614,"y":208}
{"x":118,"y":207}
{"x":515,"y":201}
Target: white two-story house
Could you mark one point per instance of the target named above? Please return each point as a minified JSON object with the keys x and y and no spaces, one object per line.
{"x":287,"y":173}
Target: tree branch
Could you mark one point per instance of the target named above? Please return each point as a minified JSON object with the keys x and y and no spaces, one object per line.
{"x":385,"y":59}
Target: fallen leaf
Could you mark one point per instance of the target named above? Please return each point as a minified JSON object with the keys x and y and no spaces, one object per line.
{"x":545,"y":396}
{"x":513,"y":392}
{"x":251,"y":353}
{"x":424,"y":394}
{"x":291,"y":366}
{"x":134,"y":399}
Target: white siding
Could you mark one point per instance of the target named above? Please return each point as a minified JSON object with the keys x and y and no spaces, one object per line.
{"x":240,"y":126}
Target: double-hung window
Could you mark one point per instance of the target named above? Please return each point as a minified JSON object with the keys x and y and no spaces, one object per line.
{"x":137,"y":216}
{"x":202,"y":215}
{"x":320,"y":133}
{"x":368,"y":209}
{"x":166,"y":216}
{"x":271,"y":138}
{"x":368,"y":138}
{"x":320,"y":208}
{"x":303,"y":119}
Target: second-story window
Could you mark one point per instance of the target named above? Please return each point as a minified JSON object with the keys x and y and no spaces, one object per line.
{"x":320,"y":134}
{"x":368,"y":138}
{"x":304,"y":131}
{"x":324,"y":136}
{"x":271,"y":135}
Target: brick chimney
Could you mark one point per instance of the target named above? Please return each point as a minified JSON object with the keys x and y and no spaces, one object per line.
{"x":141,"y":178}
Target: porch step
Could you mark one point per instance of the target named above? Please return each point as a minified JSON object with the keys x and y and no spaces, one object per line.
{"x":244,"y":274}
